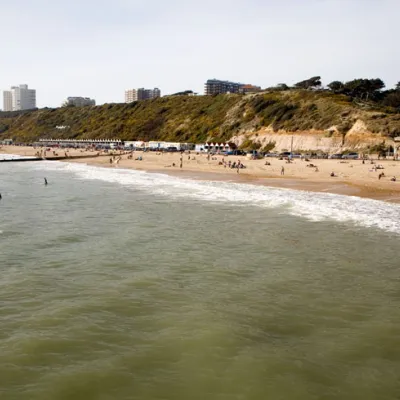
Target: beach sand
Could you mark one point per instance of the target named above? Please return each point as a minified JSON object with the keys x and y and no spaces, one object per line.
{"x":352,"y":177}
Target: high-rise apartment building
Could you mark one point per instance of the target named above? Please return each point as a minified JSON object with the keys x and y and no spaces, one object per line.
{"x":19,"y":98}
{"x":141,"y":94}
{"x":156,"y":92}
{"x":130,"y":96}
{"x":7,"y":101}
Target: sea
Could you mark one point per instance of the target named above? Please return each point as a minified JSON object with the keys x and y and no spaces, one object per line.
{"x":121,"y":285}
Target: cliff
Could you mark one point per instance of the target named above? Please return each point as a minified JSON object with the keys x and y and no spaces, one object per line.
{"x":314,"y":118}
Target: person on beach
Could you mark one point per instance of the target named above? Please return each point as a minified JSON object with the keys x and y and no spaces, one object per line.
{"x":283,"y":171}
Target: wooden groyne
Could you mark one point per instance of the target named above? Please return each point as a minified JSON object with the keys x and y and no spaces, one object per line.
{"x":20,"y":159}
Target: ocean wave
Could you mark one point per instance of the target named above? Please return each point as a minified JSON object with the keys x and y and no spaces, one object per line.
{"x":12,"y":157}
{"x":313,"y":206}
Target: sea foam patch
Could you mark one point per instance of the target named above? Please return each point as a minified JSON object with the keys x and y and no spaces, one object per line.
{"x":12,"y":157}
{"x":310,"y":205}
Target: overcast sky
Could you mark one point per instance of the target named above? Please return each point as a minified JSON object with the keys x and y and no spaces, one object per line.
{"x":99,"y":48}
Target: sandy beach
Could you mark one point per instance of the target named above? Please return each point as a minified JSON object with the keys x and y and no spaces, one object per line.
{"x":352,"y":177}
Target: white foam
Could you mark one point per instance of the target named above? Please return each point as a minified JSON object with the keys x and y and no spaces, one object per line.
{"x":310,"y":205}
{"x":12,"y":157}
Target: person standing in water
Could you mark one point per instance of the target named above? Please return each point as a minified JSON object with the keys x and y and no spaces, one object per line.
{"x":45,"y":181}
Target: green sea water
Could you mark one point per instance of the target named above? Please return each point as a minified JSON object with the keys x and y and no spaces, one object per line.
{"x":120,"y":285}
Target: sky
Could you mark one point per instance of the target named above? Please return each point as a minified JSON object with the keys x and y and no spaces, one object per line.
{"x":98,"y":48}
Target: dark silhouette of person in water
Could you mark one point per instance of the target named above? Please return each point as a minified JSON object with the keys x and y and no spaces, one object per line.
{"x":0,"y":196}
{"x":45,"y":181}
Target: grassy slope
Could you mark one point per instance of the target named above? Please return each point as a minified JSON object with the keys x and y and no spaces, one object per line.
{"x":195,"y":119}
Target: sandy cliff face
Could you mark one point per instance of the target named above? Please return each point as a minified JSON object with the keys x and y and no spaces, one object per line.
{"x":359,"y":137}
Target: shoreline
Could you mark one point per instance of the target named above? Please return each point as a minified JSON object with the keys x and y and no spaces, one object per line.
{"x":316,"y":186}
{"x":352,"y":177}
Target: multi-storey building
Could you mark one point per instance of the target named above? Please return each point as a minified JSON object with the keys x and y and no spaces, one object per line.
{"x":80,"y":101}
{"x":156,"y":93}
{"x":215,"y":86}
{"x":141,"y":94}
{"x":19,"y":98}
{"x":7,"y":101}
{"x":130,"y":96}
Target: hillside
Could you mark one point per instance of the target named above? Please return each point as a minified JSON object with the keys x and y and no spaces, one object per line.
{"x":248,"y":118}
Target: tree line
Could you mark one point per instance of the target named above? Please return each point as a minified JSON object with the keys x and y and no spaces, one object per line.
{"x":361,"y":89}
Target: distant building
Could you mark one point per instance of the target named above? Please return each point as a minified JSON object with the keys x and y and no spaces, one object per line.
{"x":7,"y":101}
{"x":80,"y":101}
{"x":141,"y":94}
{"x":215,"y":86}
{"x":19,"y":98}
{"x":130,"y":96}
{"x":250,"y":89}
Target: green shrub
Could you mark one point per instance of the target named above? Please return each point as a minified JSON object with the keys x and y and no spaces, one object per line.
{"x":248,"y":144}
{"x":269,"y":146}
{"x":200,"y":118}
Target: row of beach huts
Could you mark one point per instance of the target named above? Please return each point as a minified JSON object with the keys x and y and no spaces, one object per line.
{"x":137,"y":145}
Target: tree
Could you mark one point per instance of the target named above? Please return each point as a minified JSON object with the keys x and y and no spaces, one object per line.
{"x":336,"y":86}
{"x":392,"y":99}
{"x":283,"y":86}
{"x":397,"y":86}
{"x":312,"y":83}
{"x":367,"y":89}
{"x":279,"y":87}
{"x":375,"y":85}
